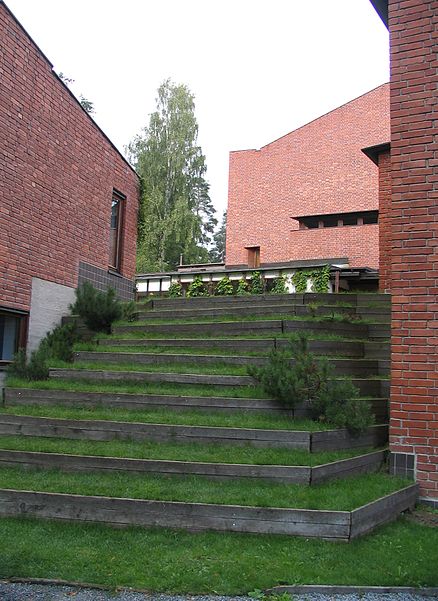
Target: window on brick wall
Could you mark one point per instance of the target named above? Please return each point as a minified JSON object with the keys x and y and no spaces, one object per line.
{"x":253,"y":256}
{"x":12,"y":334}
{"x":337,"y":219}
{"x":116,"y":226}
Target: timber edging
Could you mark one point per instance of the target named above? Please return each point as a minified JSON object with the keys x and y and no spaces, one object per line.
{"x":277,"y":473}
{"x":24,"y":425}
{"x":334,"y":525}
{"x":126,"y":400}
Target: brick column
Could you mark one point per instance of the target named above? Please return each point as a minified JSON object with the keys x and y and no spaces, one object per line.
{"x":413,"y":26}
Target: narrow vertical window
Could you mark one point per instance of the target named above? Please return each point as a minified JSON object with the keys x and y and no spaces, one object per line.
{"x":116,"y":225}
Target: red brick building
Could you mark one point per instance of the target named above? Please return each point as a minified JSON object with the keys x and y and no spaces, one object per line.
{"x":311,"y":194}
{"x":411,"y":237}
{"x":68,"y":198}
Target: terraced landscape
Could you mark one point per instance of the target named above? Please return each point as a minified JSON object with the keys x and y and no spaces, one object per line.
{"x":159,"y":424}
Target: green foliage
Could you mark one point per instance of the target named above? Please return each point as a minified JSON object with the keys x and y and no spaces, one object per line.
{"x":34,"y":369}
{"x":256,"y":284}
{"x":97,"y":309}
{"x":197,"y":288}
{"x":310,"y":380}
{"x":242,"y":288}
{"x":299,"y":280}
{"x":129,"y":311}
{"x":320,"y":278}
{"x":280,"y":285}
{"x":57,"y":344}
{"x":217,"y":253}
{"x":175,"y":290}
{"x":176,"y":215}
{"x":224,"y":287}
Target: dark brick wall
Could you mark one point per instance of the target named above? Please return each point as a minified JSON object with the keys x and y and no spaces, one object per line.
{"x":413,"y":26}
{"x":316,"y":169}
{"x":102,"y":280}
{"x":57,"y":174}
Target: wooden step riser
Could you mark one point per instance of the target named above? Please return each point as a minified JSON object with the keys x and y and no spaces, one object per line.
{"x":263,"y":328}
{"x":361,"y":367}
{"x":367,"y":387}
{"x":335,"y":525}
{"x":22,"y":425}
{"x":360,"y":300}
{"x":305,"y":475}
{"x":24,"y":396}
{"x":320,"y":347}
{"x":254,"y":309}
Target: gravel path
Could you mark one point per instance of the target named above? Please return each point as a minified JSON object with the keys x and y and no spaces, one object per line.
{"x":39,"y":592}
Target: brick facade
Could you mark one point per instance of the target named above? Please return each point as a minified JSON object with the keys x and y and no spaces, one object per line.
{"x":57,"y":175}
{"x":413,"y":27}
{"x":384,"y":163}
{"x":316,"y":169}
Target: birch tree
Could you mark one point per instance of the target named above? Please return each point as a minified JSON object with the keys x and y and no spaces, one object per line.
{"x":176,"y":214}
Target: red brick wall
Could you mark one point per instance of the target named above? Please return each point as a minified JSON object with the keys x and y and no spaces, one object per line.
{"x":413,"y":28}
{"x":57,"y":173}
{"x":384,"y":221}
{"x":316,"y":169}
{"x":355,"y":242}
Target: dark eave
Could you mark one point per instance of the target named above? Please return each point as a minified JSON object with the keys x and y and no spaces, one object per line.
{"x":381,"y":7}
{"x":373,"y":152}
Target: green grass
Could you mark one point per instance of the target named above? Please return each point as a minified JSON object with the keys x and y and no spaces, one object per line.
{"x":139,"y":335}
{"x":186,"y":418}
{"x":341,"y":495}
{"x":329,"y":318}
{"x":208,"y":453}
{"x":218,"y":369}
{"x":168,"y":350}
{"x":174,"y":561}
{"x":140,"y":388}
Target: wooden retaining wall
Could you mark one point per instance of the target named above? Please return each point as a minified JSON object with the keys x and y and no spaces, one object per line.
{"x":33,"y":396}
{"x":358,"y":367}
{"x":367,"y":386}
{"x":112,"y":430}
{"x":346,"y":348}
{"x":275,"y":473}
{"x":335,"y":525}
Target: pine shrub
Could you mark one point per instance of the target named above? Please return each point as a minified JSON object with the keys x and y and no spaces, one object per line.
{"x":310,"y":380}
{"x":98,"y":309}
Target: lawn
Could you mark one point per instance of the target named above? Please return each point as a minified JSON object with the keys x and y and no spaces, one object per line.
{"x":174,"y":561}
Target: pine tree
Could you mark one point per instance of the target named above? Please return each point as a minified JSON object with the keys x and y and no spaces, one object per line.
{"x":217,"y":253}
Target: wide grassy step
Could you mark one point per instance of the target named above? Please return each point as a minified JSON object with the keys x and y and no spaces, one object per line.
{"x":347,"y":348}
{"x":131,"y":499}
{"x":29,"y":396}
{"x":89,"y":429}
{"x":296,"y":474}
{"x":345,"y":366}
{"x":372,"y":387}
{"x":268,"y":327}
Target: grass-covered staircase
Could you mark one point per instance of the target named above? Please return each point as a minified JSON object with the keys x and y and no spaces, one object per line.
{"x":159,"y":424}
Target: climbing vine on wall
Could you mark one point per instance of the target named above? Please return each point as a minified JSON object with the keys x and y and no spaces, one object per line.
{"x":320,"y":279}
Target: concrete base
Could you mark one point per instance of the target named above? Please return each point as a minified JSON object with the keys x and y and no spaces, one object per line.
{"x":49,"y":302}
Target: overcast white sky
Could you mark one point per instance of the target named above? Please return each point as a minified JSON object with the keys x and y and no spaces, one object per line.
{"x":258,"y":68}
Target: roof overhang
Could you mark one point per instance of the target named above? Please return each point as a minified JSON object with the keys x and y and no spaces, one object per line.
{"x":381,"y":7}
{"x":373,"y":152}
